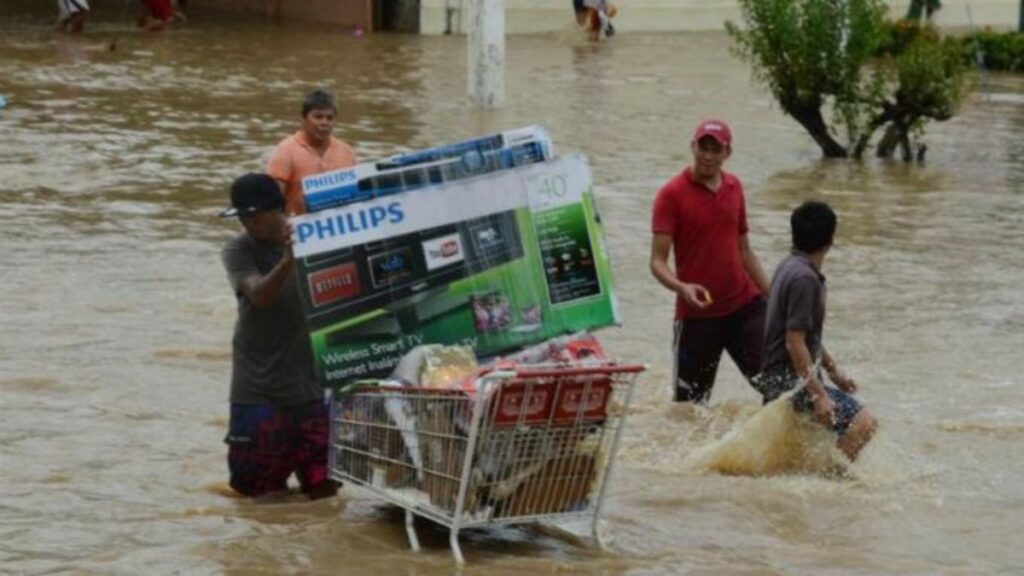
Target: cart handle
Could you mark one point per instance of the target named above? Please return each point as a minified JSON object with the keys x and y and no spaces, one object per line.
{"x":580,"y":371}
{"x":500,"y":374}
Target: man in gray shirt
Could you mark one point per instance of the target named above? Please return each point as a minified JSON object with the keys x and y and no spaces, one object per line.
{"x":793,"y":352}
{"x":279,"y":421}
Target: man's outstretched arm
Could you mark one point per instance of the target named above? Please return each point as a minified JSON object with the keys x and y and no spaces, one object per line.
{"x":800,"y":356}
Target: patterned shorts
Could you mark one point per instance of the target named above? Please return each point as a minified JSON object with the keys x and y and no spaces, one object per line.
{"x":774,"y":383}
{"x":267,"y":444}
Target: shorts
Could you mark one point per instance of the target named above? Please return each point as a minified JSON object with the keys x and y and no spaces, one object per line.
{"x":160,"y":9}
{"x":846,"y":407}
{"x":699,"y":343}
{"x":773,"y":384}
{"x":69,"y":8}
{"x":266,"y":444}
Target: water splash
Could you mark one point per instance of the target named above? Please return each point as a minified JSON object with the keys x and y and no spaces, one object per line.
{"x":775,"y":440}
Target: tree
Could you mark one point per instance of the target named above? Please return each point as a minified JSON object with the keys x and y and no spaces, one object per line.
{"x":821,"y":55}
{"x":929,"y":86}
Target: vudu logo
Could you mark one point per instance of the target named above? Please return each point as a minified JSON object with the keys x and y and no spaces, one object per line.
{"x":349,"y":222}
{"x":394,"y":262}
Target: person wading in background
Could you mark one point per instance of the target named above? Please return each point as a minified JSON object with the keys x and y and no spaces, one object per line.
{"x":311,"y":150}
{"x":71,"y":15}
{"x":155,"y":15}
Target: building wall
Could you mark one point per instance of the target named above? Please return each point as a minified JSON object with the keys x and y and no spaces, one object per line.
{"x":529,"y":16}
{"x":526,"y":16}
{"x":349,"y":13}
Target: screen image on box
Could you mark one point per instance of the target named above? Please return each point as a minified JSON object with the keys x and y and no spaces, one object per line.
{"x":568,"y":257}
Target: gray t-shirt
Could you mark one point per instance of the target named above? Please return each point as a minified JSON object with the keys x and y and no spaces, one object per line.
{"x":272,"y":360}
{"x":796,"y":302}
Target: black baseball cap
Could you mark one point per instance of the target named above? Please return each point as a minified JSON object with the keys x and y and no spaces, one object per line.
{"x":253,"y":193}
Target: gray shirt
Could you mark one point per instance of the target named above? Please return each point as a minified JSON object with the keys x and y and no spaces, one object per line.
{"x":272,"y":360}
{"x":796,"y":302}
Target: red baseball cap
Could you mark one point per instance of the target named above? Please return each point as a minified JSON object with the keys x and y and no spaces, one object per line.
{"x":716,"y":129}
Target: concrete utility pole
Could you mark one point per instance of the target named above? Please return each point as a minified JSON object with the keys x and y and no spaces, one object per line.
{"x":485,"y":63}
{"x":1020,"y":24}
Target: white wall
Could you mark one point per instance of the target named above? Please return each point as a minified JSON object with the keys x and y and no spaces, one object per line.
{"x":526,"y":16}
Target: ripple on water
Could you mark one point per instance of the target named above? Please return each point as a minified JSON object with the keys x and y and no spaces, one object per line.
{"x":32,"y":384}
{"x":186,"y":354}
{"x":1000,"y":430}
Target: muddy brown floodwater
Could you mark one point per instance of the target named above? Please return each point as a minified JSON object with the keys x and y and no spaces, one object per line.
{"x":115,"y":348}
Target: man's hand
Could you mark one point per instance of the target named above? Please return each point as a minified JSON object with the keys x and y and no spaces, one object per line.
{"x":695,"y":296}
{"x":264,"y":290}
{"x":836,"y":374}
{"x":287,"y":242}
{"x":824,"y":410}
{"x":843,"y":382}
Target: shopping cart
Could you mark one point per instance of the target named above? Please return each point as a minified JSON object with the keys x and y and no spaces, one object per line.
{"x":523,"y":445}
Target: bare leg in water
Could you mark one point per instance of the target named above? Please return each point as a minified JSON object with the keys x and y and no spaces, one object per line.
{"x":860,"y":432}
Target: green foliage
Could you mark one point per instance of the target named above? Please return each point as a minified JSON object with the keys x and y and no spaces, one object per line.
{"x":804,"y":50}
{"x":856,"y":117}
{"x":999,"y":51}
{"x":842,"y":55}
{"x":930,"y":78}
{"x":996,"y":51}
{"x":897,"y":36}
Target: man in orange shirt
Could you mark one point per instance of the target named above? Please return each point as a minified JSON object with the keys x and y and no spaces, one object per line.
{"x":311,"y":150}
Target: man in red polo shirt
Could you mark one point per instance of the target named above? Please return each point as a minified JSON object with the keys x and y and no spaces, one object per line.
{"x":700,"y":215}
{"x":311,"y":150}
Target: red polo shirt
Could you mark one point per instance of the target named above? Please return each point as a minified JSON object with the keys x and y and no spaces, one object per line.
{"x":706,"y":228}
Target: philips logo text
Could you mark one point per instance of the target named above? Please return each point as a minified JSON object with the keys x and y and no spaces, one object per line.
{"x":340,"y":224}
{"x":327,"y":181}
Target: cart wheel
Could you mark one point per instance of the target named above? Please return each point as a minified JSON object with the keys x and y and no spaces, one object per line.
{"x":410,"y":530}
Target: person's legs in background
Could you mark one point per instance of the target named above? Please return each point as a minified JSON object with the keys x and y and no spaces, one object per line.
{"x":72,"y":14}
{"x":154,"y":15}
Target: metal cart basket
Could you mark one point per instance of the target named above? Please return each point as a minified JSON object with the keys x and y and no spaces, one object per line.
{"x":525,"y":444}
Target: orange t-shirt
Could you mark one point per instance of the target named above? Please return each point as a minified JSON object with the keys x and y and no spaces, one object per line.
{"x":294,"y":159}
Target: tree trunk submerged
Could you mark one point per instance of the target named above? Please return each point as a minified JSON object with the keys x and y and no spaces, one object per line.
{"x":896,"y":135}
{"x":810,"y":118}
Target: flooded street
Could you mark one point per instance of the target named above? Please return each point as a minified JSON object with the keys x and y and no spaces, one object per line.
{"x":117,"y":317}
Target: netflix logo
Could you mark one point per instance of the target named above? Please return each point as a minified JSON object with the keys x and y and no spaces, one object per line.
{"x":333,"y":284}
